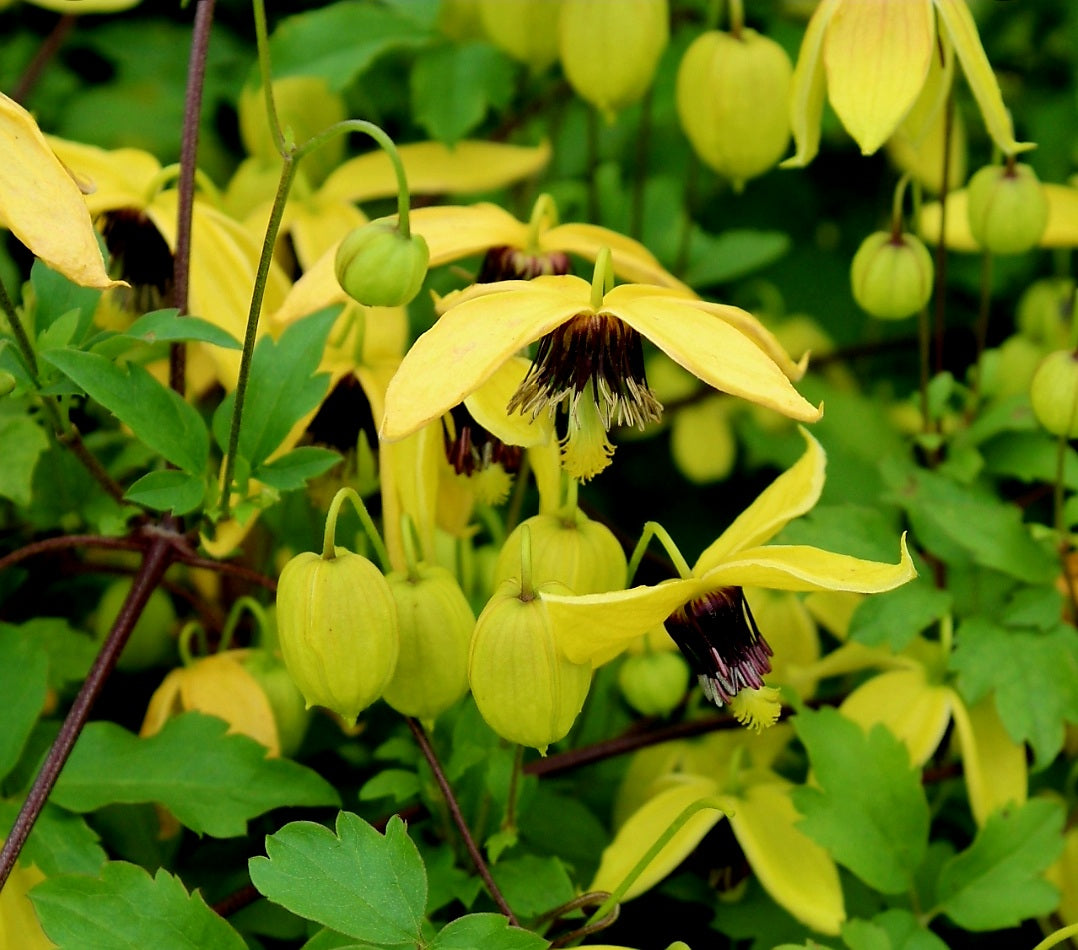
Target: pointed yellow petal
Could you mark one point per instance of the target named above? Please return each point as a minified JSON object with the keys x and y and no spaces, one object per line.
{"x":709,"y":348}
{"x":596,"y":627}
{"x":117,"y":178}
{"x":807,"y":88}
{"x":759,"y":334}
{"x":316,"y":226}
{"x":219,"y":686}
{"x":163,"y":704}
{"x":789,"y":496}
{"x":630,"y":259}
{"x":487,"y":406}
{"x":469,"y":342}
{"x":455,"y":231}
{"x":993,"y":763}
{"x":409,"y":475}
{"x":41,"y":204}
{"x":643,"y":829}
{"x":19,"y":926}
{"x":794,"y":870}
{"x":877,"y":55}
{"x":433,"y":168}
{"x":851,"y":657}
{"x":797,"y":567}
{"x":959,"y":237}
{"x":545,"y":463}
{"x":792,"y":635}
{"x":646,"y":769}
{"x":957,"y":20}
{"x":904,"y":701}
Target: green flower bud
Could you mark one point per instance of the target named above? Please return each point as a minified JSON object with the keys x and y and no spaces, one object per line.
{"x":569,"y":548}
{"x":1054,"y":393}
{"x":337,"y":625}
{"x":151,"y":642}
{"x":436,"y":626}
{"x":380,"y":267}
{"x":1045,"y":311}
{"x":891,"y":275}
{"x":1008,"y":210}
{"x":290,"y":711}
{"x":526,"y":31}
{"x":610,"y":48}
{"x":733,"y":102}
{"x":7,"y":382}
{"x":526,"y":690}
{"x":1008,"y":370}
{"x":654,"y":683}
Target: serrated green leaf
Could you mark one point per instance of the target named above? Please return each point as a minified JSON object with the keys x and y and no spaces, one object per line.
{"x":24,"y":675}
{"x":1034,"y":674}
{"x":996,"y":882}
{"x":24,"y":441}
{"x":168,"y":326}
{"x":446,"y":882}
{"x":212,"y":782}
{"x":168,"y":490}
{"x":126,"y":909}
{"x":158,"y":416}
{"x":870,"y":810}
{"x":60,"y":842}
{"x":532,"y":884}
{"x":358,"y":882}
{"x":896,"y":617}
{"x":489,"y":931}
{"x":294,"y":469}
{"x":70,"y":651}
{"x":717,"y":259}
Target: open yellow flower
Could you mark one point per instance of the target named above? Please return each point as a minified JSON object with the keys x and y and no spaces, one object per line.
{"x":590,"y":357}
{"x":705,"y":609}
{"x":874,"y":57}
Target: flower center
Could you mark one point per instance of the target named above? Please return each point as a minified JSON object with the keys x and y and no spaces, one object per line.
{"x":719,"y":637}
{"x":141,"y":257}
{"x":511,"y":263}
{"x":470,"y":448}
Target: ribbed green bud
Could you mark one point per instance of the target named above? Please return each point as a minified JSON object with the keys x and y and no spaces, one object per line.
{"x":1045,"y":311}
{"x":569,"y":548}
{"x":290,"y":712}
{"x":380,"y":267}
{"x":654,"y":683}
{"x":733,"y":102}
{"x":1008,"y":210}
{"x":436,"y":626}
{"x":1054,"y":393}
{"x":526,"y":690}
{"x":891,"y":275}
{"x":337,"y":626}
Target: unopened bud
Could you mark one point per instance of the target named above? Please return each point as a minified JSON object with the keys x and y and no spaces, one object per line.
{"x":891,"y":275}
{"x":378,"y":266}
{"x":1008,"y":210}
{"x":1054,"y":393}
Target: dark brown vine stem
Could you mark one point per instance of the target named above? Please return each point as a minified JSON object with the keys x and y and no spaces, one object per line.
{"x":46,"y":51}
{"x":49,"y":545}
{"x":155,"y":562}
{"x":458,"y":819}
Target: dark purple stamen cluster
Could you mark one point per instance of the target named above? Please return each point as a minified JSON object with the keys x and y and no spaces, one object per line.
{"x":470,"y":448}
{"x":719,"y":637}
{"x":510,"y":263}
{"x":142,"y":258}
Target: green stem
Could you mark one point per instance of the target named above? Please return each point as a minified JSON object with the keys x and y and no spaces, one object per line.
{"x":189,"y":632}
{"x":328,"y":546}
{"x":22,"y":339}
{"x":233,"y":619}
{"x":983,"y":311}
{"x":941,"y":248}
{"x":527,"y":592}
{"x":265,"y":71}
{"x":410,"y":541}
{"x":653,"y":529}
{"x":896,"y":207}
{"x":1058,"y":937}
{"x":572,"y":491}
{"x":602,"y":278}
{"x":737,"y":18}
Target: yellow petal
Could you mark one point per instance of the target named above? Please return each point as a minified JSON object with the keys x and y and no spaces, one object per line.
{"x":789,"y":496}
{"x":409,"y":475}
{"x":957,"y":20}
{"x":596,"y":627}
{"x":469,"y":342}
{"x":117,"y":178}
{"x":545,"y":461}
{"x":219,"y":686}
{"x":793,"y":869}
{"x":163,"y":704}
{"x":792,"y":635}
{"x":644,"y":828}
{"x":877,"y":55}
{"x":807,"y":88}
{"x":86,"y":6}
{"x":318,"y":226}
{"x":702,"y":441}
{"x":646,"y":769}
{"x":41,"y":204}
{"x":455,"y":231}
{"x":434,"y":168}
{"x":1064,"y":875}
{"x":904,"y":701}
{"x":630,"y":259}
{"x":19,"y":926}
{"x":993,"y":763}
{"x":709,"y":348}
{"x":1060,"y":231}
{"x":487,"y":407}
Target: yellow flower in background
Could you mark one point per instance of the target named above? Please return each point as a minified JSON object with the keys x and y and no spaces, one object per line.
{"x":1061,"y":229}
{"x":77,"y":7}
{"x":41,"y":204}
{"x":734,"y":772}
{"x":19,"y":926}
{"x":874,"y":58}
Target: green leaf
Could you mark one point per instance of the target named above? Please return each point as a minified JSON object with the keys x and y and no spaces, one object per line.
{"x":996,"y":882}
{"x":1034,"y":674}
{"x":24,"y":441}
{"x":331,"y":940}
{"x":896,"y":617}
{"x":398,"y":784}
{"x":894,"y":929}
{"x":455,"y":85}
{"x":158,"y":416}
{"x":168,"y":490}
{"x":358,"y":882}
{"x":1030,"y":457}
{"x":718,"y":259}
{"x":56,"y":297}
{"x":532,"y":885}
{"x":489,"y":931}
{"x":340,"y":41}
{"x":870,"y":810}
{"x":70,"y":651}
{"x":212,"y":782}
{"x":282,"y":388}
{"x":126,"y":908}
{"x":60,"y":842}
{"x":24,"y":673}
{"x":294,"y":469}
{"x":168,"y":326}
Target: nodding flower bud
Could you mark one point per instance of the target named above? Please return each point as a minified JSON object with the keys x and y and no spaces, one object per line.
{"x":290,"y":711}
{"x":7,"y":382}
{"x":1054,"y":393}
{"x":1008,"y":210}
{"x":436,"y":626}
{"x":526,"y":31}
{"x":378,"y":266}
{"x":733,"y":102}
{"x":654,"y":683}
{"x":337,"y":626}
{"x":891,"y":275}
{"x":1046,"y":311}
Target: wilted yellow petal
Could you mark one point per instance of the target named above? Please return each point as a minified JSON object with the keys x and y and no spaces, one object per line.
{"x":993,"y":763}
{"x":807,"y":88}
{"x":794,"y":870}
{"x":877,"y":55}
{"x":41,"y":204}
{"x":789,"y":496}
{"x":19,"y":926}
{"x":409,"y":475}
{"x":219,"y":686}
{"x":923,"y":157}
{"x":487,"y":406}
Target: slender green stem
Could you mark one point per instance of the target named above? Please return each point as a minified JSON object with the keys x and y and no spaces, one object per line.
{"x":572,"y":492}
{"x":602,"y":278}
{"x":328,"y":545}
{"x":983,"y":313}
{"x":527,"y":592}
{"x":896,"y":206}
{"x":1058,"y":937}
{"x":737,"y":18}
{"x":653,"y":529}
{"x":183,"y":642}
{"x":233,"y":619}
{"x":22,"y":338}
{"x":265,"y":72}
{"x":410,"y":542}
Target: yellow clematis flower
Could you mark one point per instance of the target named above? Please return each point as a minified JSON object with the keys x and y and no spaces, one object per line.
{"x":77,"y":7}
{"x":590,"y":357}
{"x":733,"y":771}
{"x":41,"y":204}
{"x":874,"y":57}
{"x":705,"y":609}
